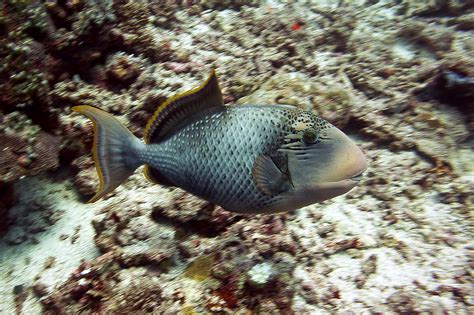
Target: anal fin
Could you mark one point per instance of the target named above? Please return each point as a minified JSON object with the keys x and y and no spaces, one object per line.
{"x":155,"y":177}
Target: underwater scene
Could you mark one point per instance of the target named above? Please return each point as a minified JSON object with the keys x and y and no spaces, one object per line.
{"x":236,"y":157}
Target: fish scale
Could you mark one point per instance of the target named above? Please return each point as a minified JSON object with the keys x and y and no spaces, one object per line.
{"x":221,"y":158}
{"x":247,"y":158}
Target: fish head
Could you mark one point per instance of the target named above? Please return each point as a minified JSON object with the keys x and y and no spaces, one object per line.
{"x":324,"y":162}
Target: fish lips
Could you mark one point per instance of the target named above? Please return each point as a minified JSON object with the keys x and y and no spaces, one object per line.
{"x":358,"y":177}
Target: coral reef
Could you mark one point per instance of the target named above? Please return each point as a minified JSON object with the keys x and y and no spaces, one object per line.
{"x":26,"y":149}
{"x":397,"y":76}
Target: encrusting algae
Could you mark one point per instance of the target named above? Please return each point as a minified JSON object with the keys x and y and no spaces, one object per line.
{"x":200,"y":268}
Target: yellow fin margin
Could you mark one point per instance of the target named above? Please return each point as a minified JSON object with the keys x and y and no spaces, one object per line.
{"x":169,"y":101}
{"x":97,"y":196}
{"x":146,"y":173}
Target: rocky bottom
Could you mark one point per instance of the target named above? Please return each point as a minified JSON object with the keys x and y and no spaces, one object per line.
{"x":390,"y":245}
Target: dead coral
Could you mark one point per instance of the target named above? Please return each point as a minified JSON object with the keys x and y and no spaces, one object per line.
{"x":464,"y":22}
{"x":435,"y":39}
{"x":136,"y":292}
{"x":135,"y":34}
{"x":85,"y":180}
{"x":402,"y":302}
{"x":433,"y":8}
{"x":123,"y":70}
{"x":25,"y":150}
{"x":7,"y":200}
{"x":342,"y":21}
{"x":81,"y":34}
{"x":267,"y":281}
{"x":80,"y":93}
{"x":451,"y":88}
{"x":93,"y":286}
{"x":216,"y":4}
{"x":369,"y":267}
{"x":438,"y":130}
{"x":40,"y":44}
{"x":194,"y":214}
{"x":22,"y":77}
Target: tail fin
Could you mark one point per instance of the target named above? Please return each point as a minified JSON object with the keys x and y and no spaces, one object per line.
{"x":115,"y":150}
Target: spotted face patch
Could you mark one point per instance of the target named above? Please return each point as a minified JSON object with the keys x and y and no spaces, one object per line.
{"x":302,"y":122}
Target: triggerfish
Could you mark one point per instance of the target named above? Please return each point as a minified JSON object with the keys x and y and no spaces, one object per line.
{"x":245,"y":158}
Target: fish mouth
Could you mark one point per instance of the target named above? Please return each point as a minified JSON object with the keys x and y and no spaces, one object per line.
{"x":358,"y":177}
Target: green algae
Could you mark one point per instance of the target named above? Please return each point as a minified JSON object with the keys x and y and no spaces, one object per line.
{"x":188,"y":310}
{"x":200,"y":268}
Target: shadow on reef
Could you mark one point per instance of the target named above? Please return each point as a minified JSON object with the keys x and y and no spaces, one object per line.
{"x":451,"y":88}
{"x":7,"y":200}
{"x":199,"y":226}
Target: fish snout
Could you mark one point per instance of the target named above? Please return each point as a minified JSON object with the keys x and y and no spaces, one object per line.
{"x":351,"y":162}
{"x":355,"y":162}
{"x":357,"y":165}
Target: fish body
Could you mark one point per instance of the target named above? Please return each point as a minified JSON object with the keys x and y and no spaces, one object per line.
{"x":247,"y":158}
{"x":214,"y":154}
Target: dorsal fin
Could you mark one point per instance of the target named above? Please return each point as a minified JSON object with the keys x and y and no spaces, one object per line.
{"x":177,"y":108}
{"x":173,"y":111}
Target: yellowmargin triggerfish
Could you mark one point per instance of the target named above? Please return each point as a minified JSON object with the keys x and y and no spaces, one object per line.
{"x":245,"y":158}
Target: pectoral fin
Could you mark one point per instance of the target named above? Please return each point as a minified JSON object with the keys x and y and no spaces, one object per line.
{"x":268,"y":178}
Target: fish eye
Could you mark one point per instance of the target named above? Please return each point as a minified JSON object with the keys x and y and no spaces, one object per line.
{"x":310,"y":136}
